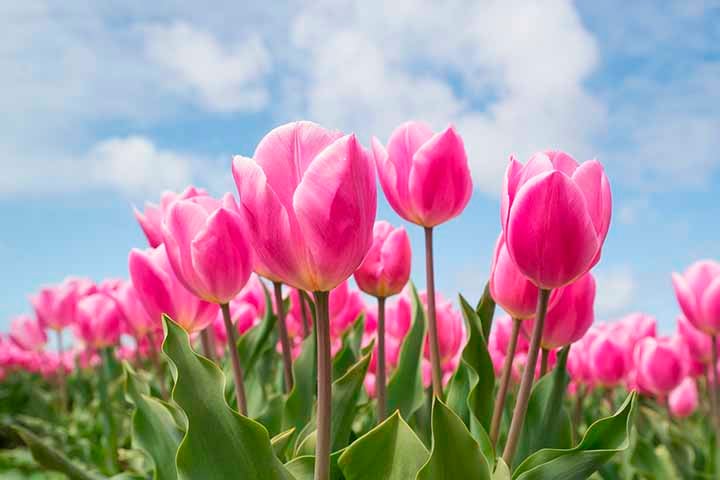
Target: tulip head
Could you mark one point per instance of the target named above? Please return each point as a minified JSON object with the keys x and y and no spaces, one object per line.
{"x":425,"y":175}
{"x":699,"y":344}
{"x":509,"y":288}
{"x":683,"y":401}
{"x":151,"y":218}
{"x":555,"y":216}
{"x":698,"y":293}
{"x":606,"y":360}
{"x":137,"y":321}
{"x":28,"y":333}
{"x":308,"y":199}
{"x":659,"y":366}
{"x":386,"y":268}
{"x":99,"y":320}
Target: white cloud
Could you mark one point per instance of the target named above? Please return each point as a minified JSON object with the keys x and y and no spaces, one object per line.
{"x":616,"y":287}
{"x":221,"y":77}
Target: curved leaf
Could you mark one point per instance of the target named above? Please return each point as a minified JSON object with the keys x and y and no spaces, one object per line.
{"x":455,"y":453}
{"x":281,"y":441}
{"x":219,"y":443}
{"x":390,"y":451}
{"x":303,"y":468}
{"x":299,"y":403}
{"x":251,"y":345}
{"x":602,"y":440}
{"x":154,"y":430}
{"x":486,"y":311}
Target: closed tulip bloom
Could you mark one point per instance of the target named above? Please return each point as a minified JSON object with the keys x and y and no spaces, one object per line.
{"x":99,"y":320}
{"x":659,"y":366}
{"x":160,"y":291}
{"x":28,"y":333}
{"x":698,"y":343}
{"x":308,"y":198}
{"x":425,"y":175}
{"x":386,"y":268}
{"x":150,"y":219}
{"x":698,"y":292}
{"x":55,"y":306}
{"x":510,"y":289}
{"x":137,"y":321}
{"x":571,"y":315}
{"x":606,"y":359}
{"x":207,"y":247}
{"x":555,"y":216}
{"x":683,"y":401}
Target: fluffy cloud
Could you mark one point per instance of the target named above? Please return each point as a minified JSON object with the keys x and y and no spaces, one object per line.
{"x":616,"y":287}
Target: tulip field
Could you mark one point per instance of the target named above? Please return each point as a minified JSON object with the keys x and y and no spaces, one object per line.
{"x":277,"y":332}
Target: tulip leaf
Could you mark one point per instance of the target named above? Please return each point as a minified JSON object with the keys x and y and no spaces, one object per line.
{"x":154,"y":429}
{"x":252,"y":344}
{"x":300,"y":400}
{"x":303,"y":468}
{"x":455,"y":453}
{"x":390,"y":451}
{"x":219,"y":442}
{"x":602,"y":440}
{"x":502,"y":471}
{"x":281,"y":441}
{"x":405,"y":390}
{"x":52,"y":459}
{"x":486,"y":311}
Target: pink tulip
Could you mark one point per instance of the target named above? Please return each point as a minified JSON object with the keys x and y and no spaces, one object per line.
{"x":606,"y":359}
{"x":571,"y":315}
{"x":659,"y":366}
{"x":698,"y":292}
{"x":698,"y":343}
{"x":160,"y":291}
{"x":425,"y":175}
{"x":138,"y":322}
{"x":151,"y":219}
{"x":555,"y":216}
{"x":55,"y":306}
{"x":346,"y":305}
{"x":500,"y":334}
{"x":683,"y":401}
{"x":308,"y":198}
{"x":99,"y":320}
{"x":28,"y":333}
{"x":386,"y":268}
{"x":510,"y":289}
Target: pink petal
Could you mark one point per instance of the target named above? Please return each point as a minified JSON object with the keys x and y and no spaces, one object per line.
{"x":594,"y":184}
{"x":562,"y":161}
{"x":509,"y":188}
{"x":687,"y":300}
{"x":710,"y":308}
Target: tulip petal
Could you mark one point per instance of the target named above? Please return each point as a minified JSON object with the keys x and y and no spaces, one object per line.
{"x":562,"y":161}
{"x":686,"y":299}
{"x":335,"y":206}
{"x":148,"y":277}
{"x":594,"y":184}
{"x":550,"y":234}
{"x":509,"y":188}
{"x":710,"y":308}
{"x":183,"y":222}
{"x":396,"y":256}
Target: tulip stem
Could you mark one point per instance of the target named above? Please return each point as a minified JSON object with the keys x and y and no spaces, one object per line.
{"x":284,"y":339}
{"x":432,"y":325}
{"x":380,"y":376}
{"x":504,"y":382}
{"x":324,"y":407}
{"x":528,"y":376}
{"x":544,"y":355}
{"x":62,"y":381}
{"x":235,"y":359}
{"x":713,"y":386}
{"x":207,"y":344}
{"x":110,"y":431}
{"x":304,"y":313}
{"x":577,"y":414}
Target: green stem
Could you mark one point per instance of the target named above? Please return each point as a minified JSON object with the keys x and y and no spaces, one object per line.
{"x":527,"y":380}
{"x":235,"y":360}
{"x":324,"y":407}
{"x":544,"y":357}
{"x":713,"y":386}
{"x":110,"y":429}
{"x":284,"y":339}
{"x":61,"y":378}
{"x":380,"y":374}
{"x":304,"y":313}
{"x":504,"y":382}
{"x":432,"y":324}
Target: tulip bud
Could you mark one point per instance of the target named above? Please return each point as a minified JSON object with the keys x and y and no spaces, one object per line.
{"x":683,"y":401}
{"x":386,"y":268}
{"x":99,"y":320}
{"x":151,"y":219}
{"x":659,"y":366}
{"x":698,"y":292}
{"x":28,"y":333}
{"x":509,"y":288}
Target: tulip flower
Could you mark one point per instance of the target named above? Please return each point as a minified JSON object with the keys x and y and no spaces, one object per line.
{"x":683,"y":401}
{"x":28,"y":333}
{"x":426,"y":180}
{"x":308,"y":198}
{"x":699,"y":344}
{"x":659,"y":365}
{"x":99,"y":320}
{"x":606,"y":359}
{"x":151,"y":219}
{"x":698,"y":293}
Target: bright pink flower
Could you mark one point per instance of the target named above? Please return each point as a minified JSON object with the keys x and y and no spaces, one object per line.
{"x":571,"y":315}
{"x":578,"y":363}
{"x":699,"y":344}
{"x":425,"y":175}
{"x":659,"y":366}
{"x":386,"y":268}
{"x":55,"y":306}
{"x":160,"y":291}
{"x":138,"y":322}
{"x":683,"y":401}
{"x":151,"y":220}
{"x":510,"y":289}
{"x":606,"y":359}
{"x":207,"y":247}
{"x":698,"y":292}
{"x":345,"y":307}
{"x":28,"y":333}
{"x":555,"y":216}
{"x":99,"y":320}
{"x":500,"y":334}
{"x":308,"y":198}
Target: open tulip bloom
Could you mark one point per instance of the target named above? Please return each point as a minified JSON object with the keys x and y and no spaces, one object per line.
{"x":367,"y":378}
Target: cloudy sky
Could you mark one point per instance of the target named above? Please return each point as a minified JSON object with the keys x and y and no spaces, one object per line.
{"x":106,"y":104}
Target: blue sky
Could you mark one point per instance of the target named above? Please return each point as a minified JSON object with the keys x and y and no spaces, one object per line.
{"x":106,"y":104}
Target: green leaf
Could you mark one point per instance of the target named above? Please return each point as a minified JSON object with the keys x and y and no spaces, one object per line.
{"x":53,"y":459}
{"x":390,"y":451}
{"x":502,"y":471}
{"x":602,"y":440}
{"x":281,"y":441}
{"x":486,"y":311}
{"x":405,"y":390}
{"x":303,"y":468}
{"x":299,"y":403}
{"x":154,"y":429}
{"x":252,"y":344}
{"x":271,"y":417}
{"x":455,"y":453}
{"x":219,"y":443}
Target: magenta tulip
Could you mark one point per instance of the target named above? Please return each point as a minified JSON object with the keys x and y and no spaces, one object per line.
{"x":160,"y":291}
{"x":510,"y":289}
{"x":659,"y":366}
{"x":28,"y":333}
{"x":55,"y":306}
{"x":606,"y":359}
{"x":698,"y":343}
{"x":137,"y":321}
{"x":386,"y":268}
{"x":683,"y":401}
{"x":151,"y":219}
{"x":698,"y":292}
{"x":555,"y":216}
{"x":99,"y":320}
